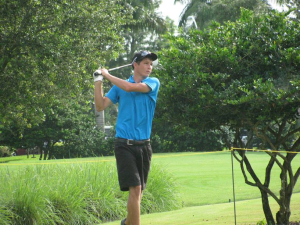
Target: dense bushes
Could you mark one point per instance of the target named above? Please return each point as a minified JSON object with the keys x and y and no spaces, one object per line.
{"x":179,"y":138}
{"x":88,"y":143}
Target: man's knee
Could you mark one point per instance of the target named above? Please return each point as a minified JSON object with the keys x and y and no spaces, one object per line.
{"x":135,"y":191}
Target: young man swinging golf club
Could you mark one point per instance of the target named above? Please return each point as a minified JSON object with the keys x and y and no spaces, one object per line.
{"x":137,"y":100}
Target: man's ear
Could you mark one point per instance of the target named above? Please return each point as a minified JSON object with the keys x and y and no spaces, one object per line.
{"x":135,"y":64}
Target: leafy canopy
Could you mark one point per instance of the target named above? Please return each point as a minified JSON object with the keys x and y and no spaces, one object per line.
{"x":48,"y":49}
{"x":242,"y":74}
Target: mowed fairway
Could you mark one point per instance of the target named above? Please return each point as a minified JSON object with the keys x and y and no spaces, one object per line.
{"x":206,"y":178}
{"x":205,"y":181}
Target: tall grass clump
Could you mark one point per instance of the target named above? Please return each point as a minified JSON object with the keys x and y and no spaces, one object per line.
{"x":20,"y":196}
{"x":162,"y":192}
{"x":75,"y":193}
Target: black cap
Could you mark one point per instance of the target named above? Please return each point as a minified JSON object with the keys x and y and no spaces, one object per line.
{"x":139,"y":56}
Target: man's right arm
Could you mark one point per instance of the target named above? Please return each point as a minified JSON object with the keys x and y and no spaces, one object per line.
{"x":125,"y":85}
{"x":101,"y":102}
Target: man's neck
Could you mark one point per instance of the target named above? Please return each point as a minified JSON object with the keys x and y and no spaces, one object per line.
{"x":138,"y":78}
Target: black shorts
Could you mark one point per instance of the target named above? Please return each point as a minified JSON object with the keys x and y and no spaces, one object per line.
{"x":133,"y":164}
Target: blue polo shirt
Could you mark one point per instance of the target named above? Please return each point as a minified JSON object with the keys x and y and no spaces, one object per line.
{"x":136,"y":110}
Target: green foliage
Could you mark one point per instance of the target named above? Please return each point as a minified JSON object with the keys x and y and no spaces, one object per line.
{"x":76,"y":193}
{"x":90,"y":142}
{"x":70,"y":130}
{"x":174,"y":137}
{"x":240,"y":73}
{"x":48,"y":49}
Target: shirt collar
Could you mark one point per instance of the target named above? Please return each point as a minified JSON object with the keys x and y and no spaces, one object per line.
{"x":131,"y":80}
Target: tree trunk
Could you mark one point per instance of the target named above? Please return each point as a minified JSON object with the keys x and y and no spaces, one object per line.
{"x":284,"y":213}
{"x":250,"y":139}
{"x":266,"y":207}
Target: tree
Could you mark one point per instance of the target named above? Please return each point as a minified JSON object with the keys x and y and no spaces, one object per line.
{"x":69,"y":130}
{"x":48,"y":50}
{"x":206,"y":11}
{"x":245,"y":76}
{"x":147,"y":23}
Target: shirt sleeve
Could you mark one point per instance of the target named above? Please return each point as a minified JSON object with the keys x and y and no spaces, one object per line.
{"x":113,"y":94}
{"x":154,"y":84}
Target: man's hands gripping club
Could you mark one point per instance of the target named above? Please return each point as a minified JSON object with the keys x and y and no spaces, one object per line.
{"x":99,"y":74}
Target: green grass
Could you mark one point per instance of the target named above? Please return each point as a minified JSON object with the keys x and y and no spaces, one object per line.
{"x":206,"y":178}
{"x":249,"y":212}
{"x":14,"y":158}
{"x":205,"y":184}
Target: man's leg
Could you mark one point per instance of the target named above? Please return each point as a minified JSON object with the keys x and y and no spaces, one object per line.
{"x":133,"y":205}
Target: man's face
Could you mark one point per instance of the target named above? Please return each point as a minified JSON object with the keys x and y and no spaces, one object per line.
{"x":144,"y":68}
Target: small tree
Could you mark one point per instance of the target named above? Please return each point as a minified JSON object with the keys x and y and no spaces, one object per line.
{"x":243,"y":76}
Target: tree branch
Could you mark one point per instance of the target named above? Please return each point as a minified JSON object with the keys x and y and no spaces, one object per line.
{"x":256,"y":179}
{"x":276,"y":160}
{"x":268,"y":171}
{"x":283,"y":140}
{"x":297,"y":174}
{"x":293,"y":178}
{"x":237,"y":159}
{"x":296,"y":145}
{"x":245,"y":175}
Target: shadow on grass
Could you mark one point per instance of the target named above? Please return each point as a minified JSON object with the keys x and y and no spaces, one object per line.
{"x":9,"y":159}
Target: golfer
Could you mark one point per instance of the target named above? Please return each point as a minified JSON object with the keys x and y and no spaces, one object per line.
{"x":137,"y":100}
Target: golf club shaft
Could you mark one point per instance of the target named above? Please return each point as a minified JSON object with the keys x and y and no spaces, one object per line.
{"x":116,"y":68}
{"x":119,"y":67}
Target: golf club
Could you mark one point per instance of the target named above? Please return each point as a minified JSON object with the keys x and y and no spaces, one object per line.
{"x":97,"y":73}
